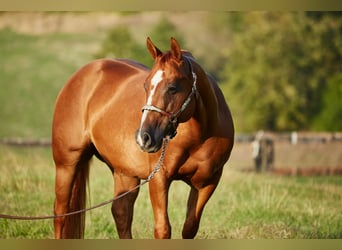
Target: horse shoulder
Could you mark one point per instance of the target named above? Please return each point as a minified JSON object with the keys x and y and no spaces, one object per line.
{"x":210,"y":149}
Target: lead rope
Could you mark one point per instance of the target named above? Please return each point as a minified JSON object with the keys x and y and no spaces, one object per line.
{"x":156,"y":168}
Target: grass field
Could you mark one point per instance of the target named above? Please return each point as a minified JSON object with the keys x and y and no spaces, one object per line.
{"x":33,"y":70}
{"x":244,"y":206}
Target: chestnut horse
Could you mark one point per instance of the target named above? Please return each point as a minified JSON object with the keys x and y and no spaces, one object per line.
{"x":120,"y":111}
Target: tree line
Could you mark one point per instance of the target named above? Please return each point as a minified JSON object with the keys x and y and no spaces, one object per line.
{"x":279,"y":71}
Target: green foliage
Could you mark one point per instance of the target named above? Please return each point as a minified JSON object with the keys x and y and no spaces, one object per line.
{"x":162,"y":32}
{"x":119,"y":43}
{"x":329,"y":116}
{"x":279,"y":67}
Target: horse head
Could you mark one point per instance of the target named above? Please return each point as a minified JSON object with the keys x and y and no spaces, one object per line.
{"x":170,"y":92}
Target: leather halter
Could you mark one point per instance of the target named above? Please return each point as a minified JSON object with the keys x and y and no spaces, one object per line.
{"x":173,"y":117}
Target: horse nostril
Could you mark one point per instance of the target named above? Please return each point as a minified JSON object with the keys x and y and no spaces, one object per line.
{"x":149,"y":142}
{"x":146,"y":138}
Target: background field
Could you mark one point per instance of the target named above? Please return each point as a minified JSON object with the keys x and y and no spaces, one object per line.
{"x":37,"y":57}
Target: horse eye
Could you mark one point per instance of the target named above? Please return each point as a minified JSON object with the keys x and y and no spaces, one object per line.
{"x":172,"y":89}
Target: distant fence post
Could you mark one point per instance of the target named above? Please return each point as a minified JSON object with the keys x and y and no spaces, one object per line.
{"x":294,"y":138}
{"x":262,"y":152}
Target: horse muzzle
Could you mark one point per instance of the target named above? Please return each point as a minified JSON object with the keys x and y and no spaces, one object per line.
{"x":149,"y":141}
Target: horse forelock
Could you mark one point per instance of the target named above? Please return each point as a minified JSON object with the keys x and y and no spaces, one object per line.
{"x":166,"y":60}
{"x":166,"y":57}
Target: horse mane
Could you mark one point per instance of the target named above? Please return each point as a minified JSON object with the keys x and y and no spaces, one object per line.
{"x":187,"y":54}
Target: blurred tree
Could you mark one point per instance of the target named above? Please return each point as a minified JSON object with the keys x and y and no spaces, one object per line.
{"x":278,"y":69}
{"x":329,"y":116}
{"x":119,"y":43}
{"x":162,"y":33}
{"x":214,"y":40}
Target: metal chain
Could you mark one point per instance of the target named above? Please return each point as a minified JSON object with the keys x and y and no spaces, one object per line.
{"x":160,"y":161}
{"x":149,"y":178}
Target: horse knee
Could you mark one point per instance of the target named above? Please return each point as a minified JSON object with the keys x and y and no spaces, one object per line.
{"x":117,"y":209}
{"x":162,"y":231}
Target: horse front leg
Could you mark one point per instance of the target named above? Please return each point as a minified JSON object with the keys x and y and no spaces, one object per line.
{"x":122,"y":209}
{"x":159,"y":189}
{"x":198,"y":197}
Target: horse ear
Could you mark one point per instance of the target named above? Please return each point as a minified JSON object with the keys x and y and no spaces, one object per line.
{"x":154,"y":51}
{"x":176,"y":50}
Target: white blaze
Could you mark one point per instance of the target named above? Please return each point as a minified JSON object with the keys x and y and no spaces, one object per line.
{"x":156,"y":79}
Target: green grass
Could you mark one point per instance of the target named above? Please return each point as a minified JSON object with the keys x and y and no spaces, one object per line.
{"x":244,"y":206}
{"x":33,"y":70}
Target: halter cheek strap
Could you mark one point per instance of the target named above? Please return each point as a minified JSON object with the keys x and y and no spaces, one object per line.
{"x":173,"y":117}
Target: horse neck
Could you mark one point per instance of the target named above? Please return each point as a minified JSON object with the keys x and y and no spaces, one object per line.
{"x":206,"y":102}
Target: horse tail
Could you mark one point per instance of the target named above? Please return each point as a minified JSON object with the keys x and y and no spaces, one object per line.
{"x":75,"y":224}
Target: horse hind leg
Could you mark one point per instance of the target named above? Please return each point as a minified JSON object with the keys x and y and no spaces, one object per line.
{"x":70,"y":188}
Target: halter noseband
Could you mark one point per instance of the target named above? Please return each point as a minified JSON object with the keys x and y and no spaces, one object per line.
{"x":174,"y":116}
